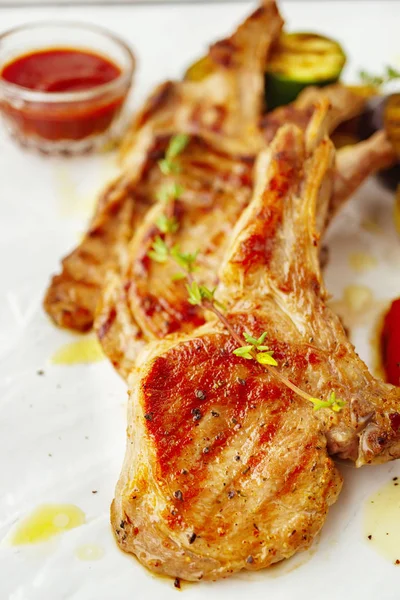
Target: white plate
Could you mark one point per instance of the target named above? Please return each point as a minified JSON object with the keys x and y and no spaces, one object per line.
{"x":76,"y":414}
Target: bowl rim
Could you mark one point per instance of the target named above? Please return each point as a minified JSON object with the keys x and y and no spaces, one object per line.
{"x":23,"y":93}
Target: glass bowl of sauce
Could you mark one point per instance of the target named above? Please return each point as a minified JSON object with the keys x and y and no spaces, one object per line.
{"x":63,"y":85}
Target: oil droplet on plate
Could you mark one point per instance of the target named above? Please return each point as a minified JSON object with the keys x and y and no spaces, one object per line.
{"x":47,"y":521}
{"x":356,"y":307}
{"x":357,"y":297}
{"x":382,"y":520}
{"x":371,"y":225}
{"x":85,"y":350}
{"x":361,"y":262}
{"x":89,"y":552}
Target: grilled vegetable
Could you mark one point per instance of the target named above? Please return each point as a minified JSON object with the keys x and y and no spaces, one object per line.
{"x":299,"y":60}
{"x":390,"y":346}
{"x":397,"y":210}
{"x":391,"y":121}
{"x":200,"y":69}
{"x":383,"y":112}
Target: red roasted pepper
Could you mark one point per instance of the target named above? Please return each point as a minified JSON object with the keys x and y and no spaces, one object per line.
{"x":390,"y":343}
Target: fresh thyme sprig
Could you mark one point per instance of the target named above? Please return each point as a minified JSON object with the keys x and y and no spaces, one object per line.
{"x":255,"y":349}
{"x":167,"y":224}
{"x":177,"y":144}
{"x":389,"y":74}
{"x":333,"y":403}
{"x":265,"y":357}
{"x":171,"y":190}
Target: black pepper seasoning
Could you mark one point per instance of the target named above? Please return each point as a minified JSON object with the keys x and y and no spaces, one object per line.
{"x":250,"y":560}
{"x":178,"y":495}
{"x":200,"y":394}
{"x":192,"y":538}
{"x":177,"y":583}
{"x":214,"y":413}
{"x":148,"y":416}
{"x":197,"y":414}
{"x":231,"y":494}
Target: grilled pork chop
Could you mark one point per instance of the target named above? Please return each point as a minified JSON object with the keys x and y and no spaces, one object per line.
{"x":143,"y":302}
{"x":225,"y":108}
{"x":222,"y":114}
{"x":226,"y":468}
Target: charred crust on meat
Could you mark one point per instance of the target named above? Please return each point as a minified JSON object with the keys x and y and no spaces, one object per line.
{"x":197,"y":414}
{"x":177,"y":583}
{"x":159,"y":99}
{"x":395,"y":421}
{"x":107,"y":323}
{"x":223,"y":53}
{"x":192,"y":538}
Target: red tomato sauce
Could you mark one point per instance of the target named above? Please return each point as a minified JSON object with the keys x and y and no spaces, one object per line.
{"x":390,"y":343}
{"x":63,"y":70}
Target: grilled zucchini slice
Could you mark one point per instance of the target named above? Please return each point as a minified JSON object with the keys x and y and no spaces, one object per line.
{"x":299,"y":60}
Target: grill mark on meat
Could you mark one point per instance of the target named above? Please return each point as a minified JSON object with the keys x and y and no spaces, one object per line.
{"x":107,"y":324}
{"x":163,"y":95}
{"x":159,"y":303}
{"x":235,"y":402}
{"x":223,"y":53}
{"x":258,"y":247}
{"x":270,"y":122}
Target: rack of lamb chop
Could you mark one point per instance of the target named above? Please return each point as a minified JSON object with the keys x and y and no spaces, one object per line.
{"x":227,"y":462}
{"x":106,"y":279}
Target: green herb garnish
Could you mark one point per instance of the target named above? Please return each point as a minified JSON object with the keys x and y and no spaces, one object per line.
{"x":390,"y":74}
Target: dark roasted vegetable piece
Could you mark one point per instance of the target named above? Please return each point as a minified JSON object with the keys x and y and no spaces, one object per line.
{"x":383,"y":112}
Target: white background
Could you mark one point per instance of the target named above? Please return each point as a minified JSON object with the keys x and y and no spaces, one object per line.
{"x":77,"y":413}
